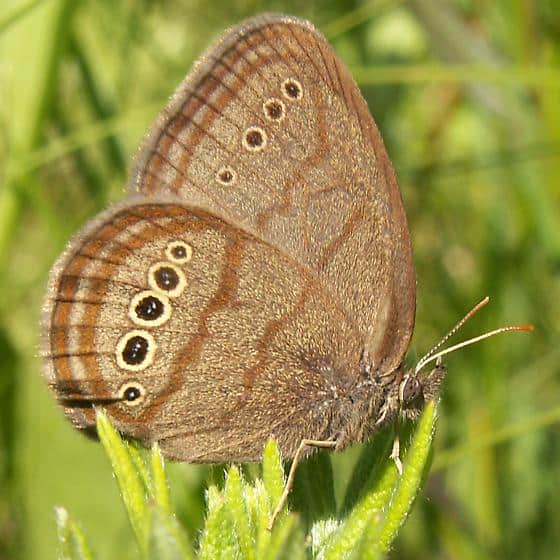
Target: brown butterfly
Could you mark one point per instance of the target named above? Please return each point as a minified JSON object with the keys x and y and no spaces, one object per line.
{"x":258,"y":280}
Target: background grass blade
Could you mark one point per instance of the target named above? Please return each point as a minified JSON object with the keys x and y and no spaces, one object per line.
{"x":71,"y":540}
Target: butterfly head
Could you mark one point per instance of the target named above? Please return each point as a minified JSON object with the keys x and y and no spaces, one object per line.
{"x":417,"y":388}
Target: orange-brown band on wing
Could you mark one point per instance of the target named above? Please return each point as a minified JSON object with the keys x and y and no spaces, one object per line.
{"x":202,"y":98}
{"x":72,"y":276}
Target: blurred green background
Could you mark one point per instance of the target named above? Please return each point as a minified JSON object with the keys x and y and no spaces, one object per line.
{"x":467,"y":96}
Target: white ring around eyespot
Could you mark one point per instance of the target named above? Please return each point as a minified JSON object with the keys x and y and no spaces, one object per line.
{"x":261,"y":146}
{"x":279,"y":102}
{"x":172,"y":245}
{"x":156,"y":322}
{"x":296,"y":83}
{"x":148,"y":360}
{"x":225,"y":169}
{"x":137,"y":401}
{"x":175,"y":292}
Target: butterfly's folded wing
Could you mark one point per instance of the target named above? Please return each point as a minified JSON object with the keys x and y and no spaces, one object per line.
{"x":227,"y":343}
{"x":270,"y":131}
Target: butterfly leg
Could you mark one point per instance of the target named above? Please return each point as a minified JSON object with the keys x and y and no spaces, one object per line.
{"x":396,"y":450}
{"x":323,"y":444}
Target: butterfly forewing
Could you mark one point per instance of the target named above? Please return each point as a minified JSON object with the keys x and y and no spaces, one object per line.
{"x":270,"y":131}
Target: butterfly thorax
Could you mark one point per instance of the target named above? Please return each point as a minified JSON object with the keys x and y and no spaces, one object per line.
{"x":382,"y":397}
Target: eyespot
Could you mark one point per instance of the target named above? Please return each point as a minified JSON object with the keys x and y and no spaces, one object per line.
{"x":292,"y":89}
{"x":149,"y":309}
{"x":410,"y":390}
{"x":274,"y":109}
{"x":254,"y":139}
{"x":179,"y":252}
{"x":135,"y":350}
{"x":132,"y":394}
{"x":226,"y":175}
{"x":167,"y":278}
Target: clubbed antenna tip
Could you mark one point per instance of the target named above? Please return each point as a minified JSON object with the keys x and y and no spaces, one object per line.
{"x":433,"y":354}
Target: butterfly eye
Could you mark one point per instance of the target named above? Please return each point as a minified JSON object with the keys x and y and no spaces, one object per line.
{"x":132,"y":394}
{"x":410,"y":390}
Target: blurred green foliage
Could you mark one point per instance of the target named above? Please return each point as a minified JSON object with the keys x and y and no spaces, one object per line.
{"x":466,"y":94}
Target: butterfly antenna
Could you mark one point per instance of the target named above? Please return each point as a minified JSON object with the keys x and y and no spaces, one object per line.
{"x":472,"y":312}
{"x":433,"y":354}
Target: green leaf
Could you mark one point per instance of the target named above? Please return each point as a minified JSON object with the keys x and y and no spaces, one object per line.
{"x":137,"y":455}
{"x":167,"y":539}
{"x":219,"y":539}
{"x":130,"y":482}
{"x":273,"y":473}
{"x":367,"y":469}
{"x":378,"y":542}
{"x":287,"y":541}
{"x":262,"y":501}
{"x":237,"y":508}
{"x":159,"y":482}
{"x":322,"y":534}
{"x":71,"y":540}
{"x":367,"y":513}
{"x":237,"y":516}
{"x":373,"y":523}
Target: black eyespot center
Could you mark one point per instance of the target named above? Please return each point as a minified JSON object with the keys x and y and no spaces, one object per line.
{"x":149,"y":308}
{"x":226,"y":176}
{"x":166,"y":278}
{"x":179,"y":251}
{"x":274,"y":109}
{"x":254,"y":138}
{"x":132,"y":393}
{"x":135,"y":350}
{"x":292,"y":89}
